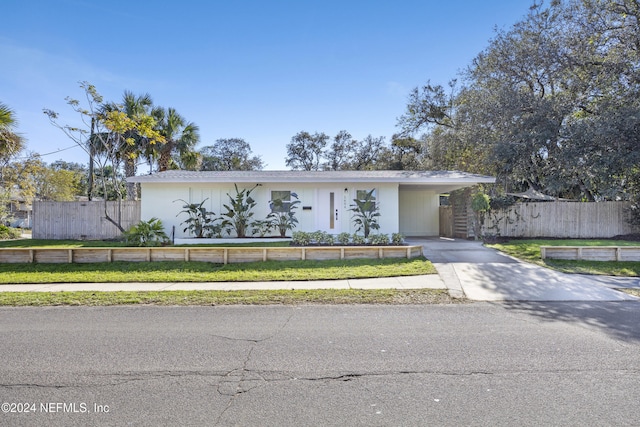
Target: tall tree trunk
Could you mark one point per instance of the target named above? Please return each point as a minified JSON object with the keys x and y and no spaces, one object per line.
{"x":91,"y":154}
{"x":129,"y":171}
{"x":165,"y":156}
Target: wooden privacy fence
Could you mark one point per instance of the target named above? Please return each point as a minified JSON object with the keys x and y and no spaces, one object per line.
{"x":454,"y":221}
{"x":81,"y":220}
{"x":216,"y":255}
{"x":446,"y":221}
{"x":559,"y":219}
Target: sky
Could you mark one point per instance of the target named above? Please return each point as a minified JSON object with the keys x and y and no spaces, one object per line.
{"x":261,"y":70}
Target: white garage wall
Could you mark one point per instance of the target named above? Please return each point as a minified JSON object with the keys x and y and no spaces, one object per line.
{"x":419,"y":214}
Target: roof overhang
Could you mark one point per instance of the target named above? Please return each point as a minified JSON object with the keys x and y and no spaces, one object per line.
{"x":440,"y":187}
{"x":440,"y":181}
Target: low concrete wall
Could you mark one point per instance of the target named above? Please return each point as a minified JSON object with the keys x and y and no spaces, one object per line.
{"x":224,"y":255}
{"x":592,"y":253}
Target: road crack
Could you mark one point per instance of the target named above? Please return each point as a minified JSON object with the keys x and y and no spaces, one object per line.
{"x":247,"y":379}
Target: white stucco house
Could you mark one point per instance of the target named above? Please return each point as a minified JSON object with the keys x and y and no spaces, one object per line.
{"x":408,"y":200}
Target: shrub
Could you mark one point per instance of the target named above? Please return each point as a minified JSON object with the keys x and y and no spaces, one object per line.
{"x":301,"y":238}
{"x":358,"y":239}
{"x":316,"y":236}
{"x":7,"y":233}
{"x":480,"y":202}
{"x":147,"y":233}
{"x":326,"y":239}
{"x":379,"y":239}
{"x":344,"y":238}
{"x":397,"y":239}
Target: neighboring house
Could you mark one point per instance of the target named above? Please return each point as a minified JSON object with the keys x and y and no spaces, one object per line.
{"x":19,"y":210}
{"x":408,"y":201}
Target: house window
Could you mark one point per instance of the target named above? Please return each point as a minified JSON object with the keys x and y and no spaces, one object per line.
{"x":361,"y":196}
{"x":280,"y":201}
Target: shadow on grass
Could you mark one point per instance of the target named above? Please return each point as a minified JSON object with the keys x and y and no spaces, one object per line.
{"x":607,"y":268}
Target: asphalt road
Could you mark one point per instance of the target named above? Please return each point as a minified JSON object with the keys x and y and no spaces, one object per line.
{"x":475,"y":364}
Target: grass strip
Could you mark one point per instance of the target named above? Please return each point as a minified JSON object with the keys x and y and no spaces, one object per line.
{"x":529,"y":250}
{"x":634,"y":292}
{"x":206,"y":298}
{"x":122,"y":272}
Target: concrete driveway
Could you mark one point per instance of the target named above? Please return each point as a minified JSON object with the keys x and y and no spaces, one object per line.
{"x":484,"y":274}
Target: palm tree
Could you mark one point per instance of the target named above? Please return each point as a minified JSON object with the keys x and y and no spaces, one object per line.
{"x":180,"y":139}
{"x":11,"y":142}
{"x":132,"y":144}
{"x":134,"y":107}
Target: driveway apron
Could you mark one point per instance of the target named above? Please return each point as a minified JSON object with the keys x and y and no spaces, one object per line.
{"x":484,"y":274}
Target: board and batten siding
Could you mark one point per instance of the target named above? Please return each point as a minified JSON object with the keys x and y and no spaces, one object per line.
{"x":419,"y":212}
{"x":163,"y":200}
{"x":560,"y":219}
{"x":81,"y":220}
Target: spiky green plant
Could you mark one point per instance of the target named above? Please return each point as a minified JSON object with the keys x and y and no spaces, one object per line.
{"x":366,"y":213}
{"x":147,"y":233}
{"x":201,"y":222}
{"x":239,"y":212}
{"x":284,"y":216}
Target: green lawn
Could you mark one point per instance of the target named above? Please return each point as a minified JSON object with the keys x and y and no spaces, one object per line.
{"x":529,"y":250}
{"x":198,"y":271}
{"x":208,"y":272}
{"x":316,"y":296}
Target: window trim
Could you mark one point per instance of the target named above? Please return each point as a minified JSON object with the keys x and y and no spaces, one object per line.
{"x":283,"y":208}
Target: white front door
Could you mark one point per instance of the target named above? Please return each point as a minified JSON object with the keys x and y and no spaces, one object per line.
{"x":329,"y":214}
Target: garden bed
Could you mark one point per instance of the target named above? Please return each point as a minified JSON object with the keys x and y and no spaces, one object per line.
{"x":220,"y":255}
{"x":229,"y":240}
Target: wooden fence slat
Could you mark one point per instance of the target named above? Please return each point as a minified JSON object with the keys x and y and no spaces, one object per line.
{"x":560,"y":219}
{"x":81,"y":220}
